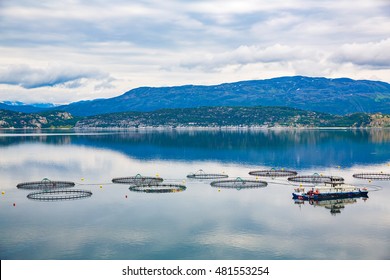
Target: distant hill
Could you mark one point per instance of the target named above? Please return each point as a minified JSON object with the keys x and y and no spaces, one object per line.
{"x":52,"y":119}
{"x":335,"y":96}
{"x":17,"y":106}
{"x":258,"y":116}
{"x":224,"y":117}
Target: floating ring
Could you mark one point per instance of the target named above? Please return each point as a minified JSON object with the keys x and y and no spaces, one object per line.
{"x":57,"y":195}
{"x":201,"y":175}
{"x":372,"y":176}
{"x":239,"y":183}
{"x":316,"y":179}
{"x":138,"y":180}
{"x":45,"y":184}
{"x":158,"y":188}
{"x":273,"y":173}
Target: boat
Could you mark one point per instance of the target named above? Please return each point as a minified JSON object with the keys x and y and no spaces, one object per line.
{"x":332,"y":190}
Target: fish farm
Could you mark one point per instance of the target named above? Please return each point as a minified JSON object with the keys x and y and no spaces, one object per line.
{"x":58,"y":195}
{"x":372,"y":176}
{"x":239,"y":183}
{"x":316,"y":179}
{"x":45,"y":184}
{"x":158,"y":188}
{"x":200,"y":174}
{"x":138,"y":180}
{"x":273,"y":173}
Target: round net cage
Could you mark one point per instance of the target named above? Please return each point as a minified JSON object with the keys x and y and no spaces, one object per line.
{"x":372,"y":176}
{"x":158,"y":188}
{"x":273,"y":173}
{"x":45,"y":184}
{"x":138,"y":180}
{"x":58,"y":195}
{"x":239,"y":184}
{"x":200,"y":174}
{"x":316,"y":179}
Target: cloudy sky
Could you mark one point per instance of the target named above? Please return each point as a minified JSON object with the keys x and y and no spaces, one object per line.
{"x":71,"y":50}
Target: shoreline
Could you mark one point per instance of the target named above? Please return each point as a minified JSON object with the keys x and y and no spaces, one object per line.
{"x":192,"y":128}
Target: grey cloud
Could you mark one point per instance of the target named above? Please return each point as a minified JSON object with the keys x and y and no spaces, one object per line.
{"x":28,"y":77}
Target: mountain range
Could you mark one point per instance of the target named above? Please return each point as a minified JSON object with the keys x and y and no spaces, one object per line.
{"x":335,"y":96}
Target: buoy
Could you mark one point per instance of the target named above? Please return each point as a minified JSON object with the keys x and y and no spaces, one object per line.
{"x":339,"y":167}
{"x":14,"y":204}
{"x":184,"y":181}
{"x":3,"y":192}
{"x":101,"y":186}
{"x":157,"y":175}
{"x":82,"y":179}
{"x":257,"y":178}
{"x":126,"y":196}
{"x":219,"y":190}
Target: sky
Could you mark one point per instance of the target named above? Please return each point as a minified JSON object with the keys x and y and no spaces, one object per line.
{"x":71,"y":50}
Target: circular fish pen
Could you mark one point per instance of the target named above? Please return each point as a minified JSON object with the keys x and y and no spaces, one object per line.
{"x":273,"y":173}
{"x":158,"y":188}
{"x":200,"y":174}
{"x":372,"y":176}
{"x":138,"y":180}
{"x":45,"y":184}
{"x":59,"y":195}
{"x":316,"y":179}
{"x":239,"y":184}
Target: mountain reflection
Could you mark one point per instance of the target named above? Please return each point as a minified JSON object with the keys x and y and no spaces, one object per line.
{"x":287,"y":148}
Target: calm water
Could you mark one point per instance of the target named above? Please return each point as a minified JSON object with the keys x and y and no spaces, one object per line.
{"x":201,"y":222}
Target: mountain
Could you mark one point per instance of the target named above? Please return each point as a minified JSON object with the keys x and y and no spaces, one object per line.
{"x":18,"y":106}
{"x":335,"y":96}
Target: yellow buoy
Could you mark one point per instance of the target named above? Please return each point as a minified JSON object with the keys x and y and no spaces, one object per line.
{"x":219,"y":190}
{"x":3,"y":192}
{"x":101,"y":186}
{"x":82,"y":179}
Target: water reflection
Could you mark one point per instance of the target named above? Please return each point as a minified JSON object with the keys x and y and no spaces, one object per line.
{"x":335,"y":206}
{"x":285,"y":148}
{"x":200,"y":222}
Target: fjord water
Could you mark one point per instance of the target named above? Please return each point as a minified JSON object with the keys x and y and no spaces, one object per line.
{"x":201,"y":222}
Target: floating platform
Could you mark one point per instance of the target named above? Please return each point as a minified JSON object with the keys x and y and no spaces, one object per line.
{"x":45,"y":184}
{"x":201,"y":175}
{"x":273,"y":173}
{"x":372,"y":176}
{"x":316,"y":179}
{"x":59,"y":195}
{"x":239,"y":184}
{"x":138,"y":180}
{"x":158,"y":188}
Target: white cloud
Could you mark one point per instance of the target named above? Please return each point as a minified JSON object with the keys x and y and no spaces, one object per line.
{"x":372,"y":54}
{"x":158,"y":43}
